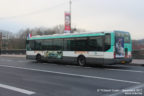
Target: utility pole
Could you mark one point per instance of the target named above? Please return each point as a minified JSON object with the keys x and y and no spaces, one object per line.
{"x":70,"y":3}
{"x":0,"y":42}
{"x":7,"y":41}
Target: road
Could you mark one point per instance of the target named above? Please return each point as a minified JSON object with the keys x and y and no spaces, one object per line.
{"x":21,"y":77}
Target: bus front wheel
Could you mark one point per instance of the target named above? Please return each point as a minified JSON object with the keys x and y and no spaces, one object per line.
{"x":81,"y":61}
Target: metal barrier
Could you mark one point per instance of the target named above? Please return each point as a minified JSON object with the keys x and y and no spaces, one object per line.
{"x":138,"y":54}
{"x":18,"y":51}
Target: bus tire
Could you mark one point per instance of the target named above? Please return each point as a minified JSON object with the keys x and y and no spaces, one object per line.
{"x":81,"y":61}
{"x":38,"y":58}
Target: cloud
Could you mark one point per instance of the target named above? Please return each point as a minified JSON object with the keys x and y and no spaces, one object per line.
{"x":92,"y":15}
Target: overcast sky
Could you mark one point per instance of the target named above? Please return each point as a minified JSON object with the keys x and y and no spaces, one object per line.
{"x":92,"y":15}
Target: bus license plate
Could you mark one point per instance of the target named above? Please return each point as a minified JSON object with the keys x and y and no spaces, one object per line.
{"x":123,"y":62}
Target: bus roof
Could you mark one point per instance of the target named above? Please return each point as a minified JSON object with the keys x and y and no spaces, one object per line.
{"x":71,"y":35}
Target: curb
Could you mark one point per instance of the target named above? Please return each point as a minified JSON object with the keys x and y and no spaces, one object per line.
{"x":134,"y":64}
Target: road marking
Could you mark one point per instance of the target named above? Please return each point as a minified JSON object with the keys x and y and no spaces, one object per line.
{"x":9,"y":60}
{"x":72,"y":66}
{"x":139,"y":91}
{"x":70,"y":74}
{"x":126,"y":70}
{"x":110,"y":69}
{"x":107,"y":69}
{"x":20,"y":61}
{"x":17,"y":89}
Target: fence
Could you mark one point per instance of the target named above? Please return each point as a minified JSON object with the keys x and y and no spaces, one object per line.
{"x":138,"y":54}
{"x":17,"y":52}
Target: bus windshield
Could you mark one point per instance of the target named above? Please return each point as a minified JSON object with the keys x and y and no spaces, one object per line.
{"x":124,"y":35}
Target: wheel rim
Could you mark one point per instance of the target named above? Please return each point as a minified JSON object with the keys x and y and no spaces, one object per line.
{"x":81,"y":61}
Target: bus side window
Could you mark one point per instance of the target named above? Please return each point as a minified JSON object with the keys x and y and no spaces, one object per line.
{"x":79,"y":44}
{"x":47,"y":45}
{"x":31,"y":45}
{"x":75,"y":44}
{"x":58,"y":44}
{"x":95,"y":43}
{"x":67,"y":44}
{"x":38,"y":45}
{"x":27,"y":45}
{"x":107,"y":43}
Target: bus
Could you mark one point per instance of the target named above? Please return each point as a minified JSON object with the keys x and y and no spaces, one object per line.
{"x":108,"y":47}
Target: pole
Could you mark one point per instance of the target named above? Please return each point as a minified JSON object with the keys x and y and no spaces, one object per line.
{"x":7,"y":41}
{"x":70,"y":2}
{"x":0,"y":42}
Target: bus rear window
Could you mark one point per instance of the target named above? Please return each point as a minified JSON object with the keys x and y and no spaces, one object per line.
{"x":126,"y":36}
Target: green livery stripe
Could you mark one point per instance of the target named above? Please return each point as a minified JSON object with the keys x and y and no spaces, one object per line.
{"x":112,"y":38}
{"x":110,"y":50}
{"x":66,"y":36}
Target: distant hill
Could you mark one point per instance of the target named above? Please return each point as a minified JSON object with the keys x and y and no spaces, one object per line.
{"x":4,"y":31}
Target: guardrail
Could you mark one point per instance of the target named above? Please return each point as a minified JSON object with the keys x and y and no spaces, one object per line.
{"x":138,"y":54}
{"x":13,"y":51}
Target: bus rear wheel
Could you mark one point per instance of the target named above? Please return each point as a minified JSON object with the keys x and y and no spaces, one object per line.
{"x":81,"y":61}
{"x":38,"y":58}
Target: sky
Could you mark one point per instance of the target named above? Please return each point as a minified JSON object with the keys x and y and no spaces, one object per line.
{"x":91,"y":15}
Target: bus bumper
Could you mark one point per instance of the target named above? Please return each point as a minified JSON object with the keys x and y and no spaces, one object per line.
{"x":117,"y":61}
{"x":123,"y":60}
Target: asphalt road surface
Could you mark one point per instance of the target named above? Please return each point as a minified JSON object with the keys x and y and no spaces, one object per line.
{"x":21,"y":77}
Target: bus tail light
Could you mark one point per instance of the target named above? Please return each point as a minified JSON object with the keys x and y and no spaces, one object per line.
{"x":126,"y":53}
{"x":114,"y":54}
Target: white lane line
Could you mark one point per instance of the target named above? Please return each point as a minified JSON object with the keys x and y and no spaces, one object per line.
{"x":88,"y":67}
{"x":126,"y":70}
{"x":9,"y":60}
{"x":70,"y":74}
{"x":108,"y":69}
{"x":17,"y":89}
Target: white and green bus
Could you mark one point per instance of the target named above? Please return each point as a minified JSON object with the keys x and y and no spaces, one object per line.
{"x":114,"y":47}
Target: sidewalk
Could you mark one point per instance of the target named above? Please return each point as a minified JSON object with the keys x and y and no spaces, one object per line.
{"x":138,"y":62}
